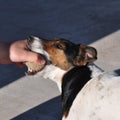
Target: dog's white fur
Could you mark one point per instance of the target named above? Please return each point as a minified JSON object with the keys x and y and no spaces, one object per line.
{"x":37,"y":46}
{"x":53,"y":73}
{"x":99,"y":99}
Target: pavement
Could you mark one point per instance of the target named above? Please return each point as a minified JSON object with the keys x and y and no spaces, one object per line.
{"x":95,"y":23}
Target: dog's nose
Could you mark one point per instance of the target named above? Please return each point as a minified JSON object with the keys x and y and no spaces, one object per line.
{"x":30,"y":39}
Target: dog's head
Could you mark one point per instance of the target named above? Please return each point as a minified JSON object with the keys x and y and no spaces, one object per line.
{"x":62,"y":53}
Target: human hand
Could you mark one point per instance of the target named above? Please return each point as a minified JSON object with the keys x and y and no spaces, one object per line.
{"x":17,"y":52}
{"x":20,"y":53}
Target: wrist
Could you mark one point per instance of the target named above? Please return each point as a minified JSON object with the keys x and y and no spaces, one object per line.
{"x":4,"y":53}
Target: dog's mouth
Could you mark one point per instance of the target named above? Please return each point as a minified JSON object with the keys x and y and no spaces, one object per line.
{"x":35,"y":45}
{"x":34,"y":68}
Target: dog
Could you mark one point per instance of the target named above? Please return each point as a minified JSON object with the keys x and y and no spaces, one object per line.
{"x":61,"y":55}
{"x":87,"y":92}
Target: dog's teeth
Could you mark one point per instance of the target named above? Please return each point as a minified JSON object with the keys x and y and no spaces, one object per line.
{"x":30,"y":70}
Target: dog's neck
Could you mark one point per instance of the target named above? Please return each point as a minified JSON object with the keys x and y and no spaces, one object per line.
{"x":53,"y":73}
{"x":56,"y":74}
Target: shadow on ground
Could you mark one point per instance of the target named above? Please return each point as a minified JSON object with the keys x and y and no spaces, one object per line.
{"x":50,"y":110}
{"x":80,"y":21}
{"x":10,"y":73}
{"x":117,"y":72}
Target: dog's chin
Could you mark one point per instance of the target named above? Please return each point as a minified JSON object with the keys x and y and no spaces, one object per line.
{"x":34,"y":68}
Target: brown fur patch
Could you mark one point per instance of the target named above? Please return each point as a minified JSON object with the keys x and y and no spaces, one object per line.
{"x":57,"y":56}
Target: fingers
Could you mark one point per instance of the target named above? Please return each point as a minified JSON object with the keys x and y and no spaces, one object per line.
{"x":34,"y":57}
{"x":19,"y":53}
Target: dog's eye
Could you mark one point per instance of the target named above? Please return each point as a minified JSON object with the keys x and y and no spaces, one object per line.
{"x":59,"y":46}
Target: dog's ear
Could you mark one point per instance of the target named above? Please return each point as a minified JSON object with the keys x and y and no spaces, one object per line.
{"x":90,"y":54}
{"x":85,"y":55}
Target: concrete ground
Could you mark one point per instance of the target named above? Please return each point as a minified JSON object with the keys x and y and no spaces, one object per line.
{"x":82,"y":21}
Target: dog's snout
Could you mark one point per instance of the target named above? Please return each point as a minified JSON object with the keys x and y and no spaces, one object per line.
{"x":30,"y":39}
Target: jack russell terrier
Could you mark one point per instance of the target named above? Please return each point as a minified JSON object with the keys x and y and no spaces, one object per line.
{"x":87,"y":92}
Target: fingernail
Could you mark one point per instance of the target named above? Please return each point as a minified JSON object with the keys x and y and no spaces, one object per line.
{"x":41,"y":61}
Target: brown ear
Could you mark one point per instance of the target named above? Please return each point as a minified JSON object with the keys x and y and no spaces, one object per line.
{"x":86,"y":55}
{"x":90,"y":54}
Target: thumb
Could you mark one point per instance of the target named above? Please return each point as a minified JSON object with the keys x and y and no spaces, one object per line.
{"x":35,"y":57}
